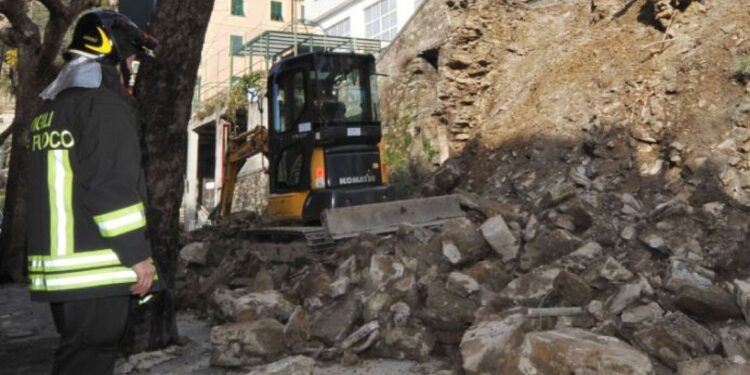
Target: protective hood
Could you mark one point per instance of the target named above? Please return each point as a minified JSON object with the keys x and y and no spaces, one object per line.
{"x":79,"y":72}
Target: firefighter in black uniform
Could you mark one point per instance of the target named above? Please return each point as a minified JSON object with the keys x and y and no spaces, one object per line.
{"x":89,"y":255}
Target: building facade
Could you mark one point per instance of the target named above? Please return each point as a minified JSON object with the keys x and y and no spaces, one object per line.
{"x":233,"y":23}
{"x":371,"y":19}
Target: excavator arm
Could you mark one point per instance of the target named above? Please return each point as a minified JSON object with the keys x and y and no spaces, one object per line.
{"x":241,"y":148}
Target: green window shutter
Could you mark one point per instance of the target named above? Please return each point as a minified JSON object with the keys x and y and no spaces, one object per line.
{"x":235,"y":44}
{"x":238,"y":7}
{"x":276,"y":13}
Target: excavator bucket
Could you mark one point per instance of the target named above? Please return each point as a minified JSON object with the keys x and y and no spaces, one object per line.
{"x":385,"y":217}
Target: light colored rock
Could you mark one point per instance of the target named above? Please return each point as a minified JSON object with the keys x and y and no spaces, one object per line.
{"x":735,"y":341}
{"x":142,"y":362}
{"x":613,"y":271}
{"x":405,"y":343}
{"x":339,"y":287}
{"x":580,"y":258}
{"x":627,"y":295}
{"x":383,"y":269}
{"x":244,"y":344}
{"x":451,"y":252}
{"x":240,"y":306}
{"x":194,"y":253}
{"x":742,"y":295}
{"x":531,"y":288}
{"x":700,"y":366}
{"x":656,"y":243}
{"x":628,"y":233}
{"x":461,"y":284}
{"x":462,"y":241}
{"x":642,"y":315}
{"x":500,"y":238}
{"x":297,"y":365}
{"x":681,"y":273}
{"x":564,"y":351}
{"x":401,"y":313}
{"x":486,"y":342}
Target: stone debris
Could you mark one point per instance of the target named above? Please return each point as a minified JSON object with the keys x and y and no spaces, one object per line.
{"x":601,"y":239}
{"x":568,"y":350}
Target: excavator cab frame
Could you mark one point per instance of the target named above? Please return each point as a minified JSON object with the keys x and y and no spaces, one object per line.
{"x":324,"y":135}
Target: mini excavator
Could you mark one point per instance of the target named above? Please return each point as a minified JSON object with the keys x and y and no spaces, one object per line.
{"x":325,"y":152}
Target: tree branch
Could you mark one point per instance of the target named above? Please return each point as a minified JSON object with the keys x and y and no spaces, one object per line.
{"x":7,"y":132}
{"x":16,"y":11}
{"x":55,"y":7}
{"x":57,"y":26}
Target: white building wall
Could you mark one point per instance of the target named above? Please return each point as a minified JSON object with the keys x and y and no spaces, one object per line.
{"x":327,"y":13}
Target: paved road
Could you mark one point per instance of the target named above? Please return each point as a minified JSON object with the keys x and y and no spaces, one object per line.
{"x":27,"y":333}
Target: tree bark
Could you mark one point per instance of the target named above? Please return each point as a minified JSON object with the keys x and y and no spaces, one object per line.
{"x":164,"y":94}
{"x":36,"y":68}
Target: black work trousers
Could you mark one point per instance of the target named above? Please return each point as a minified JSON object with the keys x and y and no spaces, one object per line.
{"x":90,"y":332}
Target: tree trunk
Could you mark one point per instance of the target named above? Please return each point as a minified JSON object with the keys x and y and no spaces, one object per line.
{"x":165,"y":92}
{"x":13,"y":243}
{"x":36,"y":68}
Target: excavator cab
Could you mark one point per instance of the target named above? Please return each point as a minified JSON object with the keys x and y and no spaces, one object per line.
{"x":324,"y":138}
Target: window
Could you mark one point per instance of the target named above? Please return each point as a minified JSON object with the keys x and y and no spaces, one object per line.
{"x":238,"y":7}
{"x":302,"y":13}
{"x":235,"y":44}
{"x":276,"y":14}
{"x":343,"y":28}
{"x":381,"y":21}
{"x":291,"y":100}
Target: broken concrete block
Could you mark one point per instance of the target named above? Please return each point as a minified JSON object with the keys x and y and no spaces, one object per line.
{"x":500,"y":238}
{"x":332,"y":323}
{"x":711,"y":303}
{"x":487,"y":341}
{"x":642,"y":315}
{"x":447,"y":311}
{"x":627,"y":295}
{"x":558,"y":194}
{"x":677,"y":338}
{"x":384,"y":269}
{"x":742,"y":296}
{"x":339,"y":287}
{"x":297,"y":365}
{"x":461,"y":284}
{"x":572,"y":289}
{"x":465,"y":243}
{"x":297,"y":329}
{"x":244,"y":344}
{"x":530,"y":289}
{"x":735,"y":341}
{"x":547,"y":247}
{"x":401,"y":313}
{"x":239,"y":305}
{"x":700,"y":366}
{"x":567,"y":350}
{"x":489,"y":274}
{"x":580,"y":259}
{"x":615,"y":272}
{"x":414,"y":344}
{"x":656,"y":243}
{"x":194,"y":253}
{"x":681,"y":273}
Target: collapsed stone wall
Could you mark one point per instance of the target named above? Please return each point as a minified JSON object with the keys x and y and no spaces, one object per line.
{"x":604,"y":172}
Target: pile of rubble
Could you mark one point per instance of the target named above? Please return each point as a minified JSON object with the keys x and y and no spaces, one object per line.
{"x":502,"y":291}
